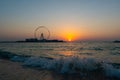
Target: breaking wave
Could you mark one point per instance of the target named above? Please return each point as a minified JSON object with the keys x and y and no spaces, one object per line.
{"x":66,"y":65}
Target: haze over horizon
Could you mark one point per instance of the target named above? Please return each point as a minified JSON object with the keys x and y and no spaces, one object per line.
{"x":66,"y":19}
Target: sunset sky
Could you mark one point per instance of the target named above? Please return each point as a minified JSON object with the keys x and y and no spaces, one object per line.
{"x":66,"y":19}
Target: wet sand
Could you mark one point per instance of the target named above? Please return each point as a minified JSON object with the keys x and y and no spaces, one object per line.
{"x":14,"y":71}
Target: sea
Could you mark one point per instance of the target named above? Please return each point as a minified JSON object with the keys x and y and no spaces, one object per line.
{"x":66,"y":58}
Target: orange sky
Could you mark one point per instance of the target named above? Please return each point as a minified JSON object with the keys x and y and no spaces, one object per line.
{"x":66,"y":19}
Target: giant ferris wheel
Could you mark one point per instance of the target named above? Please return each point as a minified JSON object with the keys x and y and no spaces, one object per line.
{"x":42,"y":33}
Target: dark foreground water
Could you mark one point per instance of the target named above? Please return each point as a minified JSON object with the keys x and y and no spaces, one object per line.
{"x":84,"y":59}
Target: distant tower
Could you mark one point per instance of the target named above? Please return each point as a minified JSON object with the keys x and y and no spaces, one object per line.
{"x":42,"y":36}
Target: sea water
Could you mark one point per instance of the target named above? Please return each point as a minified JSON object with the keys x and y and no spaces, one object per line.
{"x":68,"y":57}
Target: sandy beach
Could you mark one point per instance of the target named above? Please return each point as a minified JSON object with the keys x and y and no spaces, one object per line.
{"x":14,"y":71}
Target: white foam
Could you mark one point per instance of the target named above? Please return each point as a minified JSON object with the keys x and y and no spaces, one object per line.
{"x":70,"y":65}
{"x":63,"y":65}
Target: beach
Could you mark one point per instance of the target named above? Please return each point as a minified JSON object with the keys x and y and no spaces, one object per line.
{"x":59,"y":39}
{"x":59,"y":61}
{"x":14,"y":71}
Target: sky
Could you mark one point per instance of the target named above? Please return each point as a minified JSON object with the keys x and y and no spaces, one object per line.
{"x":65,"y":19}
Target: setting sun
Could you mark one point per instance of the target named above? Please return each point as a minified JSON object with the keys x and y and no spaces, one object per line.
{"x":69,"y":35}
{"x":69,"y":39}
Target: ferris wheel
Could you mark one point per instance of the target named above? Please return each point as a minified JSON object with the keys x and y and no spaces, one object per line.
{"x":42,"y":33}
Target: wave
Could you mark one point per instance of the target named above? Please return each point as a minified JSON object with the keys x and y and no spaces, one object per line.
{"x":73,"y":65}
{"x":66,"y":65}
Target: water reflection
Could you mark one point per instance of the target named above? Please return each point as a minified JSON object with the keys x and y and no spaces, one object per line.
{"x":102,"y":51}
{"x":67,"y":53}
{"x":73,"y":53}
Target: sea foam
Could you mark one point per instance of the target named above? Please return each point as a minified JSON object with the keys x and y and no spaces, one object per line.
{"x":73,"y":65}
{"x":65,"y":65}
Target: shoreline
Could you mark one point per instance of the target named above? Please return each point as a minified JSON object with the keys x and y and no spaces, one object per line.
{"x":24,"y":67}
{"x":10,"y":70}
{"x":14,"y":71}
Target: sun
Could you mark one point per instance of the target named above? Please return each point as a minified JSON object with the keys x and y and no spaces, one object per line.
{"x":69,"y":39}
{"x":69,"y":36}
